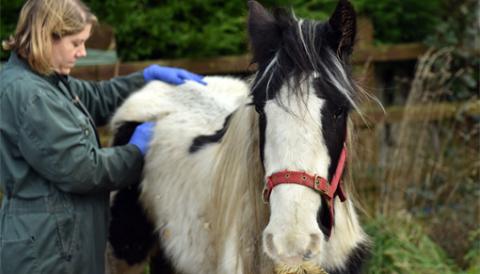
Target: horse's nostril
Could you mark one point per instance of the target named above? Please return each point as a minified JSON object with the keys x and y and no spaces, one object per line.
{"x":291,"y":248}
{"x":308,"y":255}
{"x":313,"y":247}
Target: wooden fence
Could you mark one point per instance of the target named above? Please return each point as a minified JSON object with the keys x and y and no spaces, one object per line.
{"x":434,"y":112}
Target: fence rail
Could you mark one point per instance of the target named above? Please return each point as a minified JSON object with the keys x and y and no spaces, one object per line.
{"x":431,"y":112}
{"x":241,"y":64}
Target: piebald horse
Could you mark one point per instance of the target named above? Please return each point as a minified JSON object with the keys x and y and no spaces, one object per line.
{"x":245,"y":176}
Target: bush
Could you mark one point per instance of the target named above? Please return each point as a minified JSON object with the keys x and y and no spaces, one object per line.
{"x":398,"y":21}
{"x":473,"y":255}
{"x":173,"y":29}
{"x":401,"y":246}
{"x":9,"y":11}
{"x":150,"y":29}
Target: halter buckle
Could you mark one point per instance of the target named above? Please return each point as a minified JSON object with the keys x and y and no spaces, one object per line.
{"x":317,"y":185}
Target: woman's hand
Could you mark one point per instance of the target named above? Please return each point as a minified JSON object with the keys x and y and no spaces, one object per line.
{"x":175,"y":76}
{"x":142,"y":136}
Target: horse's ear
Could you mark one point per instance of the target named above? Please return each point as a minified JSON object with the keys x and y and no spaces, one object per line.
{"x":343,"y":24}
{"x":264,"y":32}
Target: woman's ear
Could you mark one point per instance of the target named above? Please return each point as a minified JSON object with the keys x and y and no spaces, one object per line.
{"x":343,"y":30}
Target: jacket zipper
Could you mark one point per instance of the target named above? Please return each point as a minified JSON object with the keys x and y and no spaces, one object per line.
{"x":79,"y":105}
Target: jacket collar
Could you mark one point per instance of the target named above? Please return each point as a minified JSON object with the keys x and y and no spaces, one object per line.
{"x":53,"y":78}
{"x":16,"y":60}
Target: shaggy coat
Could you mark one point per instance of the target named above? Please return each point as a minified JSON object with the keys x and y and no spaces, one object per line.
{"x":215,"y":145}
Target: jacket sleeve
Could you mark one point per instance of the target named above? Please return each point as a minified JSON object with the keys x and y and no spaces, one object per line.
{"x":102,"y":98}
{"x":53,"y":142}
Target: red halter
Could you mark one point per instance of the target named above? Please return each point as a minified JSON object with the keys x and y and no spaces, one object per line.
{"x":328,"y":190}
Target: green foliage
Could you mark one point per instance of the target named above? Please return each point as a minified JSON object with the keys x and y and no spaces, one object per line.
{"x":473,"y":255}
{"x":149,"y":29}
{"x":175,"y":29}
{"x":9,"y":11}
{"x":398,"y":21}
{"x":401,"y":246}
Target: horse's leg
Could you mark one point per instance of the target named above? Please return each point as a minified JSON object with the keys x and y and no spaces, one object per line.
{"x":131,"y":234}
{"x":118,"y":266}
{"x":159,"y":264}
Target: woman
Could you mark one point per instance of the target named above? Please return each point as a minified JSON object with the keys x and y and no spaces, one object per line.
{"x":54,"y":175}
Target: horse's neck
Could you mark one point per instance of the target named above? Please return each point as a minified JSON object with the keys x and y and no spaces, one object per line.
{"x":239,"y":148}
{"x":238,"y":162}
{"x":237,"y":211}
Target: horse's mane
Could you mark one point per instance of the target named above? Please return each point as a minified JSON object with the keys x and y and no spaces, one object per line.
{"x":237,"y":190}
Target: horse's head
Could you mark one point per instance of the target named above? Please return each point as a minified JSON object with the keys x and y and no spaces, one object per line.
{"x":303,"y":93}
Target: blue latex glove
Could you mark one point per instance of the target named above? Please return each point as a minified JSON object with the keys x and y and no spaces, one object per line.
{"x":142,"y":136}
{"x":175,"y":76}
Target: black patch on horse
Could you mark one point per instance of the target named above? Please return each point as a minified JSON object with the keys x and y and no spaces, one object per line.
{"x":323,"y":218}
{"x":334,"y":118}
{"x":131,"y":233}
{"x":123,"y":134}
{"x":201,"y":141}
{"x":355,"y":261}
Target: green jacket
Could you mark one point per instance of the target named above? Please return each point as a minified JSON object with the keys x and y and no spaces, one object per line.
{"x":54,"y":176}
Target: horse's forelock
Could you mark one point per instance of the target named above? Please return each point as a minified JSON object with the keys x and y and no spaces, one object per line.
{"x":304,"y":52}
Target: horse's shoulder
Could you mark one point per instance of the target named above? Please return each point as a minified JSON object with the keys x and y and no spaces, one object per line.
{"x":147,"y":103}
{"x":220,"y":96}
{"x":229,"y":92}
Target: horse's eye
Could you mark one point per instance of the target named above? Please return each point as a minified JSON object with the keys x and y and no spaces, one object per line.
{"x":338,"y":113}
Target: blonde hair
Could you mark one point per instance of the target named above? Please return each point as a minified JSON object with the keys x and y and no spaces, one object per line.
{"x":41,"y":22}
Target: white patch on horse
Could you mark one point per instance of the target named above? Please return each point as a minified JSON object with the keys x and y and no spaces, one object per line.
{"x":295,"y":135}
{"x":295,"y":143}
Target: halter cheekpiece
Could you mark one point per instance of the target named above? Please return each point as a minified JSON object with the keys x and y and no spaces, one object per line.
{"x":328,"y":190}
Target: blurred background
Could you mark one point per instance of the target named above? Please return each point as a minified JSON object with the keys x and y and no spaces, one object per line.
{"x":416,"y":168}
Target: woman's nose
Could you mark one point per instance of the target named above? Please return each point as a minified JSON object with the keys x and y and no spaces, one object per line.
{"x":82,"y":52}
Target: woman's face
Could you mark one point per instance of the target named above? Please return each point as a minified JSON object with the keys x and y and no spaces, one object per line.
{"x":68,"y":49}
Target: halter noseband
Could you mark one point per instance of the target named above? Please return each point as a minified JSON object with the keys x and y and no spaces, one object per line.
{"x":328,"y":190}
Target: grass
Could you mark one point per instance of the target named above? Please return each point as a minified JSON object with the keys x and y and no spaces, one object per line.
{"x":402,"y":246}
